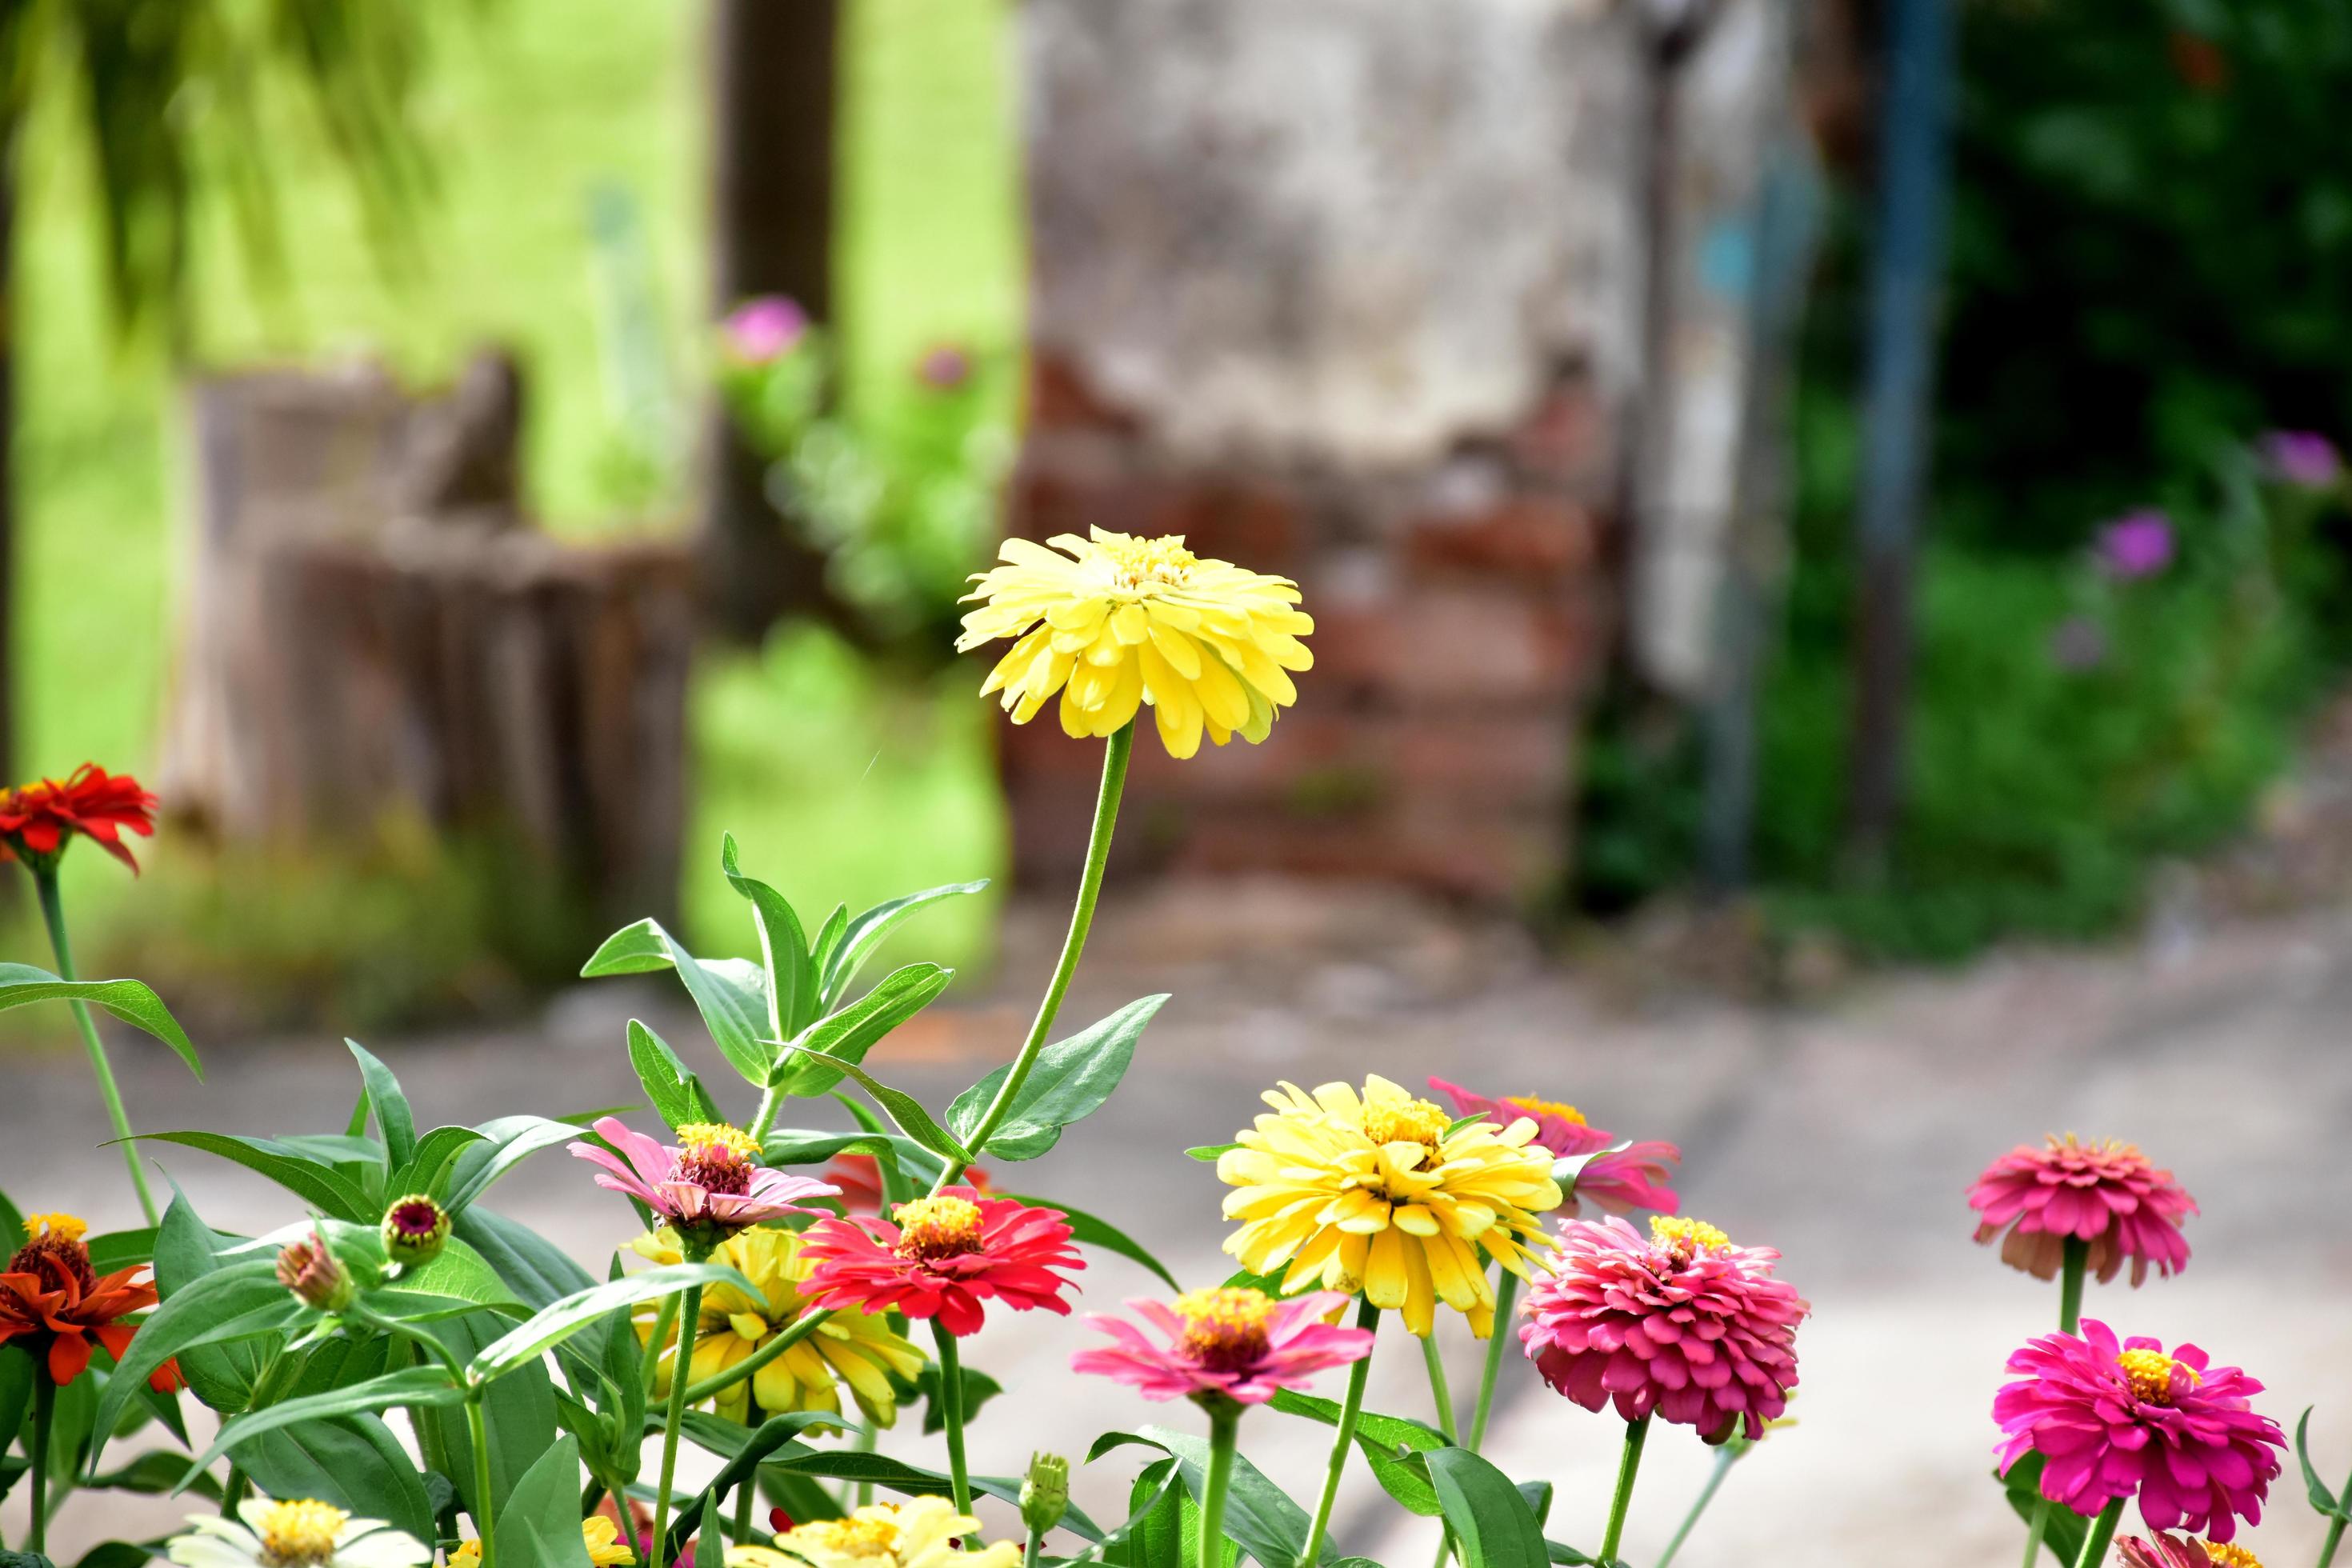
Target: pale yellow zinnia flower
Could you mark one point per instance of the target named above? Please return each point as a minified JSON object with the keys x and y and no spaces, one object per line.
{"x":852,"y":1347}
{"x":1370,"y":1192}
{"x":600,"y":1535}
{"x":917,"y":1533}
{"x":1117,"y":621}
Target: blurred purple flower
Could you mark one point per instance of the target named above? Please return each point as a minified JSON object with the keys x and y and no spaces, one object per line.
{"x":2301,"y":457}
{"x":944,"y":368}
{"x":2136,"y":544}
{"x":2078,"y":644}
{"x":764,"y":329}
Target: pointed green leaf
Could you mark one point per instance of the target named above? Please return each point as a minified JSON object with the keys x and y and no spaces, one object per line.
{"x":128,"y":1000}
{"x":783,"y":948}
{"x":506,"y":1143}
{"x":731,"y":994}
{"x":903,"y":1109}
{"x":677,"y":1095}
{"x":392,"y":1116}
{"x":1492,"y":1524}
{"x":539,"y":1525}
{"x":560,"y":1319}
{"x":848,"y":1035}
{"x":863,"y":936}
{"x":425,"y":1385}
{"x":2316,"y":1490}
{"x":316,"y":1184}
{"x":243,"y":1298}
{"x":2063,"y":1529}
{"x":427,"y":1170}
{"x":1069,"y":1080}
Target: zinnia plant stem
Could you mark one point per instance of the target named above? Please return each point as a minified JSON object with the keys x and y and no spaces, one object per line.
{"x":2335,"y":1529}
{"x":2102,"y":1532}
{"x":1443,"y":1397}
{"x":952,"y":1412}
{"x":802,"y":1327}
{"x":1350,"y":1411}
{"x":1506,"y":1295}
{"x":2070,"y":1321}
{"x":45,"y":1404}
{"x":479,"y":1430}
{"x":1628,"y":1467}
{"x":1725,"y":1457}
{"x":743,"y":1494}
{"x":765,"y":1117}
{"x":665,"y":1320}
{"x":1082,"y":918}
{"x":690,"y":1318}
{"x":45,"y":879}
{"x":1224,"y":1427}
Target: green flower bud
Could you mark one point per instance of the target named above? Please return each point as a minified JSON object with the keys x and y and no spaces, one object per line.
{"x":1045,"y":1492}
{"x":414,"y":1230}
{"x":313,"y":1273}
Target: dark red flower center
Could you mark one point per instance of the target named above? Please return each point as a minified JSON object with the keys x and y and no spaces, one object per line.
{"x":58,"y":1262}
{"x":716,"y":1157}
{"x":417,"y":1217}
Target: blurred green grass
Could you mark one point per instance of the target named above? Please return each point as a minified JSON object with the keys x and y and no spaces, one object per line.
{"x":839,"y":783}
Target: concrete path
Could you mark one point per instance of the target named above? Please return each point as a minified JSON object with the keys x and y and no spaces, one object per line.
{"x":1845,"y":1135}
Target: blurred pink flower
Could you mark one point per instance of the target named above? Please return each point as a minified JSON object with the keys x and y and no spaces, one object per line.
{"x":2136,"y":544}
{"x":706,"y":1186}
{"x":2077,"y":643}
{"x":1621,"y":1179}
{"x":2107,"y":1193}
{"x":1235,"y":1341}
{"x":2117,"y":1419}
{"x":1684,"y":1324}
{"x":764,"y":329}
{"x":2301,"y":457}
{"x":944,"y":368}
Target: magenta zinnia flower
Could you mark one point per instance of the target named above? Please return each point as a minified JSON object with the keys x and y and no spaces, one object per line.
{"x":2136,"y":544}
{"x":708,"y":1186}
{"x":765,"y":328}
{"x":2303,"y":457}
{"x":2107,"y":1194}
{"x":1684,"y":1324}
{"x":1619,"y":1180}
{"x":940,"y":1257}
{"x":1236,"y":1342}
{"x":2112,"y":1420}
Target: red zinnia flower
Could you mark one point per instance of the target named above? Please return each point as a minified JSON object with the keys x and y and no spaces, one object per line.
{"x":36,"y":819}
{"x":2113,"y":1419}
{"x":1618,"y":1180}
{"x":51,"y":1293}
{"x":2107,"y":1194}
{"x":940,"y":1257}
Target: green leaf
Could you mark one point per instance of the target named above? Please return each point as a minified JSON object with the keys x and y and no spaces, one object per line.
{"x":518,"y":1412}
{"x":463,"y":1273}
{"x":1152,"y":1536}
{"x":559,"y":1320}
{"x":2316,"y":1490}
{"x":351,"y":1461}
{"x":128,"y":1000}
{"x":221,"y":1375}
{"x":2062,"y":1531}
{"x":905,"y":1112}
{"x":152,"y":1473}
{"x":1210,"y":1153}
{"x":539,"y":1525}
{"x":848,"y":1035}
{"x":861,"y":937}
{"x":753,"y":1445}
{"x":1492,"y":1524}
{"x":506,"y":1143}
{"x":118,"y":1250}
{"x":239,"y":1301}
{"x":1259,"y":1517}
{"x":710,"y":1545}
{"x":677,"y":1095}
{"x":783,"y":948}
{"x":392,"y":1116}
{"x":731,"y":994}
{"x":316,"y":1184}
{"x":1392,"y":1445}
{"x":429,"y":1165}
{"x":536,"y":1270}
{"x":17,"y":1374}
{"x":979,"y":1388}
{"x":1070,"y":1082}
{"x":422,"y":1385}
{"x":1090,"y":1231}
{"x":821,"y":952}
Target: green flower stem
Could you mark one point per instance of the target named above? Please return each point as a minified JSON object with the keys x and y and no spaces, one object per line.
{"x":1224,"y":1426}
{"x":665,"y":1320}
{"x":1443,"y":1397}
{"x":45,"y":1405}
{"x":689,"y":1320}
{"x":1029,"y":1553}
{"x":1506,"y":1295}
{"x":743,"y":1499}
{"x":2102,"y":1532}
{"x":45,"y":879}
{"x":485,"y":1524}
{"x":1082,"y":918}
{"x":2070,"y":1319}
{"x":951,"y":1411}
{"x":232,"y":1491}
{"x":1350,"y":1411}
{"x":864,"y":1491}
{"x":717,"y":1382}
{"x":1628,"y":1466}
{"x":2335,"y":1525}
{"x":770,"y":1101}
{"x":1725,"y":1457}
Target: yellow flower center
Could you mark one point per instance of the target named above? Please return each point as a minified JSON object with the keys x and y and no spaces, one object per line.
{"x":716,"y":1157}
{"x":1405,"y":1122}
{"x":2230,"y":1554}
{"x":703,"y":1137}
{"x":63,"y":1226}
{"x":300,"y":1534}
{"x":853,"y":1537}
{"x":53,"y":1250}
{"x":2093,"y":1145}
{"x":1224,"y":1328}
{"x":1140,"y":565}
{"x":2149,"y":1372}
{"x":1686,"y":1238}
{"x":938,"y":1227}
{"x":1535,"y":1107}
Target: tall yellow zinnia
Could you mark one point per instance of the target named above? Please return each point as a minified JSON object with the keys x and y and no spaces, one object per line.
{"x":1117,"y":621}
{"x":1371,"y":1193}
{"x":856,"y":1348}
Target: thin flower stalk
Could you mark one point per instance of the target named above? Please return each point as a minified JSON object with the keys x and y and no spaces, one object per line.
{"x":1351,"y":1410}
{"x":2070,"y":1321}
{"x":1629,"y":1466}
{"x":689,"y":1316}
{"x":53,"y":915}
{"x":1443,"y":1399}
{"x":2102,"y":1534}
{"x":952,"y":1412}
{"x":1725,"y":1457}
{"x":1506,"y":1295}
{"x":1224,"y":1428}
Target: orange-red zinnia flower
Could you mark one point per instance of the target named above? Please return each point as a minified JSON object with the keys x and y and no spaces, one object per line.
{"x":51,"y":1294}
{"x":36,"y":819}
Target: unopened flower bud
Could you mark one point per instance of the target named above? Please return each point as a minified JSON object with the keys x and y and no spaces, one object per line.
{"x":414,"y":1230}
{"x":312,"y":1272}
{"x":1045,"y":1492}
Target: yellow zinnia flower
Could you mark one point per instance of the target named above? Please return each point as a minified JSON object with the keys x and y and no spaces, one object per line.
{"x":1370,"y":1192}
{"x":857,"y":1348}
{"x":599,"y":1534}
{"x":1121,"y":621}
{"x":917,"y":1533}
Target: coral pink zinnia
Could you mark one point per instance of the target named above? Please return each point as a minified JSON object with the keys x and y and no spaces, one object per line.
{"x":1235,"y":1341}
{"x":2173,"y":1551}
{"x":36,"y":819}
{"x":940,"y":1257}
{"x":2107,"y":1194}
{"x":1684,"y":1324}
{"x":2112,"y":1420}
{"x":706,"y":1187}
{"x":1619,"y":1180}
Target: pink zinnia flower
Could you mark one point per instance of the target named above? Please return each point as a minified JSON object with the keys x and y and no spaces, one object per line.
{"x":2107,"y":1194}
{"x":2111,"y":1420}
{"x":1684,"y":1324}
{"x":940,"y":1257}
{"x":2174,"y":1551}
{"x":1619,"y":1180}
{"x":706,"y":1187}
{"x":763,"y":329}
{"x":2136,"y":544}
{"x":1236,"y":1342}
{"x":2301,"y":457}
{"x":944,"y":368}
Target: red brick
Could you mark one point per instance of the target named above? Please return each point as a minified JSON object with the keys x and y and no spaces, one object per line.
{"x":1526,"y":536}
